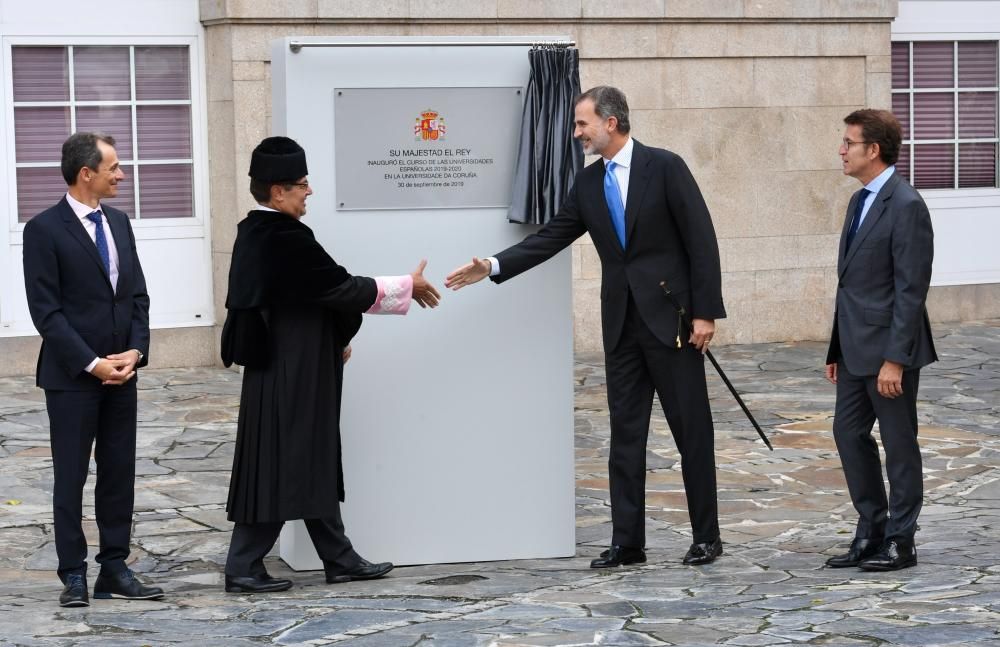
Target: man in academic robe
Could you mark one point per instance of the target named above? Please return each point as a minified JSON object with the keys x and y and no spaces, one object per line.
{"x":292,"y":311}
{"x":649,"y":224}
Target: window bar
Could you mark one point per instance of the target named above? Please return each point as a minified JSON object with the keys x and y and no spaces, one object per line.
{"x":72,"y":89}
{"x":954,"y":63}
{"x":135,"y":132}
{"x":913,"y":124}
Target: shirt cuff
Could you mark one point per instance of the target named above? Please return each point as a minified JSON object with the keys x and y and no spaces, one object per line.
{"x":494,"y":265}
{"x":395,"y":293}
{"x":90,"y":367}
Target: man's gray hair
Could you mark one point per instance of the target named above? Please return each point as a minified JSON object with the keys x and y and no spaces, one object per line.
{"x":609,"y":102}
{"x":81,"y":150}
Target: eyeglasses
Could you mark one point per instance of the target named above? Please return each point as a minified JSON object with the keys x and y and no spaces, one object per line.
{"x":847,"y":143}
{"x":301,"y":185}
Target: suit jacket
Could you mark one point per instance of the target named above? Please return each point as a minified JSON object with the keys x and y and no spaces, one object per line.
{"x":73,"y":306}
{"x":883,"y":281}
{"x":669,"y":237}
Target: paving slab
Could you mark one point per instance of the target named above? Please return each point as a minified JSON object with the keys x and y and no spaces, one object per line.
{"x":782,"y":514}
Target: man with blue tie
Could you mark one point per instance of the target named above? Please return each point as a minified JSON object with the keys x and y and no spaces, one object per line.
{"x":881,"y":339}
{"x":649,"y":224}
{"x":87,"y":297}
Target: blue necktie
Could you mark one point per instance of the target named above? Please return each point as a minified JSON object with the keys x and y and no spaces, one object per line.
{"x":101,"y":240}
{"x":613,"y":196}
{"x":856,"y":223}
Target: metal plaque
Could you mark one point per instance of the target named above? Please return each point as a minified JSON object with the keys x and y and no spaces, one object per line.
{"x":424,"y":148}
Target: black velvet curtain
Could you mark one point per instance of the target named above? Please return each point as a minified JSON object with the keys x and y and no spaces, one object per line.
{"x":548,"y":157}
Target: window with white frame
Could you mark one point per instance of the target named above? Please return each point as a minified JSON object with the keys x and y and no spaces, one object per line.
{"x":945,"y":96}
{"x":140,"y":95}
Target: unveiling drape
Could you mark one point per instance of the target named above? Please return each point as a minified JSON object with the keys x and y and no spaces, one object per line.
{"x":548,"y":157}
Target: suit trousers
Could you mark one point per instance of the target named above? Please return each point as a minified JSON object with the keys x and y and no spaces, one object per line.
{"x":251,"y":542}
{"x":102,"y":420}
{"x":638,"y":365}
{"x":858,"y":406}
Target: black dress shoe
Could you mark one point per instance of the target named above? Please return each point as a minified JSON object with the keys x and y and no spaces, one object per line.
{"x":619,"y":556}
{"x":124,"y":585}
{"x":893,"y":556}
{"x":860,"y":549}
{"x":74,"y":594}
{"x":260,"y":583}
{"x":365,"y":570}
{"x":704,"y":553}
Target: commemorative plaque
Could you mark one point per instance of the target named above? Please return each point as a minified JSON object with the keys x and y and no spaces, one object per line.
{"x":425,"y":148}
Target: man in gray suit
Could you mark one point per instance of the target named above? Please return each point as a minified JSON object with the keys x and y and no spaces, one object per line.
{"x":881,"y":339}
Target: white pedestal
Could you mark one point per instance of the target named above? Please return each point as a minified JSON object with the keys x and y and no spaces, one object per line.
{"x":457,"y":424}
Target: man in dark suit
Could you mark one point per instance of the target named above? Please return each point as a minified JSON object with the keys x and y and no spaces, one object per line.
{"x":649,"y":223}
{"x":881,"y":339}
{"x":87,"y":298}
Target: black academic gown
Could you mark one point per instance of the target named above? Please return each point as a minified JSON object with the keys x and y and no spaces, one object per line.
{"x":291,"y":311}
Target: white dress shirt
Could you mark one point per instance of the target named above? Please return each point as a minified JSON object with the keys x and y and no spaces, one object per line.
{"x":82,"y":211}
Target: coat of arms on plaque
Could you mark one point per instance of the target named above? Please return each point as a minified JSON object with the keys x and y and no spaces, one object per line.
{"x":429,"y":126}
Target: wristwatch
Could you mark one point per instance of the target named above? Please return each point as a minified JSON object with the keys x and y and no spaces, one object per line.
{"x":140,"y":355}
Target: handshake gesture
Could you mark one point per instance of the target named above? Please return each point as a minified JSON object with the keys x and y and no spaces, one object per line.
{"x":424,"y":293}
{"x":468,"y":274}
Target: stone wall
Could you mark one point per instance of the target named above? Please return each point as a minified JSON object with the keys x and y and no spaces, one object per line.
{"x":750,"y":93}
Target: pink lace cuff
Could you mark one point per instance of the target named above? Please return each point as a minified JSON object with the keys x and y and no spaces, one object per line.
{"x":394,"y":295}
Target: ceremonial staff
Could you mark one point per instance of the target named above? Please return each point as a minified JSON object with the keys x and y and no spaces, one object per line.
{"x":683,"y":318}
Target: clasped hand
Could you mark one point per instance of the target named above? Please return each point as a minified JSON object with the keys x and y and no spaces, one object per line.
{"x":116,"y":369}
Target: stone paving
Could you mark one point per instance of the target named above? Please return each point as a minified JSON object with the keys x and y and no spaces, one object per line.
{"x":783,"y":513}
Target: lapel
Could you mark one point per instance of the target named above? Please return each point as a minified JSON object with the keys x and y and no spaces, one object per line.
{"x":76,"y":230}
{"x":120,"y":232}
{"x":871,"y":218}
{"x":638,"y":180}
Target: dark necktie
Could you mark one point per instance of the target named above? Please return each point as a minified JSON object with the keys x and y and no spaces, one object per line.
{"x":101,"y":240}
{"x":856,"y":223}
{"x":613,"y":196}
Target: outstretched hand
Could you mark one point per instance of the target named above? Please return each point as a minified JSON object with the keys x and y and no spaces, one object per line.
{"x":468,"y":274}
{"x":425,"y":294}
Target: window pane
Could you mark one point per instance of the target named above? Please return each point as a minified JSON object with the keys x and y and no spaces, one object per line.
{"x":977,"y":64}
{"x":165,"y":191}
{"x":903,"y":163}
{"x":40,"y":73}
{"x":101,"y":74}
{"x":37,"y":190}
{"x":977,"y":165}
{"x":901,"y":108}
{"x":900,"y":66}
{"x":112,"y":120}
{"x":933,"y":65}
{"x":934,"y":166}
{"x":934,"y":115}
{"x":125,"y":200}
{"x":164,"y":132}
{"x":162,"y":73}
{"x":977,"y":114}
{"x":39,"y":133}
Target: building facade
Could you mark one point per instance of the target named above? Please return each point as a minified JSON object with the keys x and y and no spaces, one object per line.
{"x":750,"y":92}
